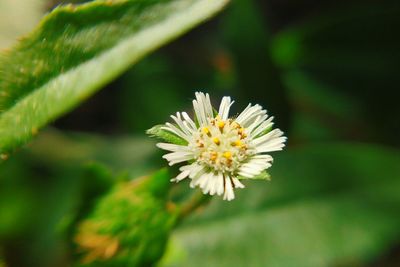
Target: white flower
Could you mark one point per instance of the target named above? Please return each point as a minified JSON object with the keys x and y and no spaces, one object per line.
{"x":220,"y":149}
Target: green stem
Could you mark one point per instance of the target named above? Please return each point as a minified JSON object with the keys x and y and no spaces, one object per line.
{"x":196,"y":201}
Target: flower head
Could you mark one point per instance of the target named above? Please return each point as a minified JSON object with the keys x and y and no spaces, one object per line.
{"x":220,"y":150}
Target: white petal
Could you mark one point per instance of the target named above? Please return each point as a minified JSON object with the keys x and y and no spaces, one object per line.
{"x":229,"y":194}
{"x":262,"y":127}
{"x":172,"y":147}
{"x":201,"y":118}
{"x":276,"y":145}
{"x":208,"y":107}
{"x":237,"y":183}
{"x":256,"y":122}
{"x":202,"y":108}
{"x":197,"y":178}
{"x":181,"y":176}
{"x":220,"y":184}
{"x":249,"y":172}
{"x":269,"y":136}
{"x":204,"y":181}
{"x":250,"y":114}
{"x":246,"y":174}
{"x":255,"y":166}
{"x":173,"y":129}
{"x":244,"y":114}
{"x":259,"y":140}
{"x":262,"y":161}
{"x":224,"y":107}
{"x":272,"y":141}
{"x":183,"y":126}
{"x":189,"y":121}
{"x":177,"y":157}
{"x":209,"y":186}
{"x":195,"y":170}
{"x":214,"y":184}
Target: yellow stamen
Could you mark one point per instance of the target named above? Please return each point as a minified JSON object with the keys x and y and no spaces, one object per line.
{"x":242,"y":133}
{"x":213,"y":156}
{"x":216,"y":140}
{"x":227,"y":155}
{"x":221,"y":125}
{"x":237,"y":143}
{"x":235,"y":125}
{"x":206,"y":131}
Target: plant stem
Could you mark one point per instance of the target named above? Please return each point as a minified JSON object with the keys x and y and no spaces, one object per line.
{"x":196,"y":201}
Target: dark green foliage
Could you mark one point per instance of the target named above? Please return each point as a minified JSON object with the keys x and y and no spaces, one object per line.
{"x":351,"y":54}
{"x":327,"y":205}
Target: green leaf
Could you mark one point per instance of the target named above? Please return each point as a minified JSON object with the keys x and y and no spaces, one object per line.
{"x":77,"y":49}
{"x":328,"y":205}
{"x":129,"y":226}
{"x":166,"y":136}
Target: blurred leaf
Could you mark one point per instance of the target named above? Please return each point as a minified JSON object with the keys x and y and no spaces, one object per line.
{"x":35,"y":201}
{"x":258,"y":78}
{"x":86,"y":161}
{"x":129,"y":226}
{"x":351,"y":52}
{"x":122,"y":153}
{"x":343,"y":40}
{"x":168,"y":91}
{"x":95,"y":181}
{"x":90,"y":45}
{"x":327,"y":205}
{"x":54,"y":182}
{"x":306,"y":91}
{"x":321,"y":112}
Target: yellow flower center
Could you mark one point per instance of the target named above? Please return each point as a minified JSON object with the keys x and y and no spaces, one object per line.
{"x":221,"y":145}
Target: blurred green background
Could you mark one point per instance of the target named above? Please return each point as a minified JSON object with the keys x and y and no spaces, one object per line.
{"x":326,"y":70}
